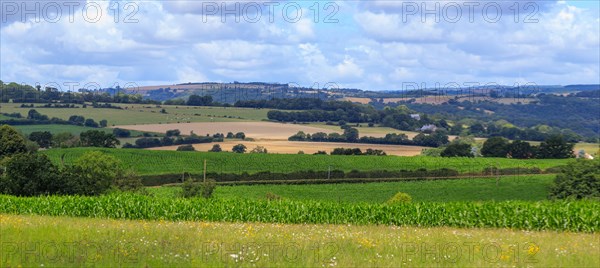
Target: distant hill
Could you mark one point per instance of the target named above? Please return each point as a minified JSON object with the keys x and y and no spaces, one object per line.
{"x":232,"y":92}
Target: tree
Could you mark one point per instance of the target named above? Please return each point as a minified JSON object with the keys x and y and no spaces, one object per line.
{"x":259,"y":150}
{"x":229,"y":135}
{"x":477,"y":128}
{"x":77,"y":120}
{"x":97,"y":138}
{"x":173,"y":133}
{"x":93,"y":173}
{"x":240,"y":149}
{"x":578,"y":180}
{"x":457,"y":150}
{"x":351,"y":134}
{"x":65,"y":140}
{"x":121,"y":133}
{"x":196,"y":100}
{"x":495,"y":147}
{"x":103,"y":123}
{"x":555,"y":147}
{"x":521,"y":150}
{"x":35,"y":115}
{"x":29,"y":175}
{"x":186,"y":148}
{"x":216,"y":148}
{"x":240,"y":135}
{"x":90,"y":123}
{"x":11,"y":142}
{"x":42,"y":138}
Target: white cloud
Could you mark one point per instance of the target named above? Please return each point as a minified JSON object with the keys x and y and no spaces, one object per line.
{"x":370,"y":47}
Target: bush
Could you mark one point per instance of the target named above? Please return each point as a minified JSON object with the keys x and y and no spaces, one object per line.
{"x":399,"y":198}
{"x":208,"y":188}
{"x":259,"y":150}
{"x":578,"y":181}
{"x":129,"y":182}
{"x":272,"y":197}
{"x":190,"y":188}
{"x":186,"y":148}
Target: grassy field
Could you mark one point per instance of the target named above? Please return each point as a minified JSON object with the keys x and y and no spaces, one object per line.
{"x":148,"y":114}
{"x":55,"y":129}
{"x":77,"y":242}
{"x":146,"y":162}
{"x":525,"y":187}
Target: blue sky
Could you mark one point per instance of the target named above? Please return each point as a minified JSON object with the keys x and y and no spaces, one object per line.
{"x":377,"y":45}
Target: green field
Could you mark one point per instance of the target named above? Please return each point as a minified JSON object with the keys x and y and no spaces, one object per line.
{"x":147,"y":162}
{"x":55,"y":129}
{"x":525,"y":187}
{"x":148,"y":114}
{"x":107,"y":243}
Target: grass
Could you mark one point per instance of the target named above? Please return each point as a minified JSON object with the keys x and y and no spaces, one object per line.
{"x":149,"y":114}
{"x":147,"y":162}
{"x":526,"y":187}
{"x":104,"y":243}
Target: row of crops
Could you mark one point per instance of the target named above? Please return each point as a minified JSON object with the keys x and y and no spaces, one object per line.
{"x":579,"y":216}
{"x":146,"y":162}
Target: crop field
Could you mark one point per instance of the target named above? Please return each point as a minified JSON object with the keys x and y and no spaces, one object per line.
{"x":255,"y":130}
{"x":147,"y":162}
{"x":293,"y":147}
{"x":577,"y":216}
{"x":148,"y":114}
{"x":108,"y":242}
{"x":524,"y":187}
{"x":55,"y":129}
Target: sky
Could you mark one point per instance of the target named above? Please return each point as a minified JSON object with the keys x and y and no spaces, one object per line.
{"x":373,"y":45}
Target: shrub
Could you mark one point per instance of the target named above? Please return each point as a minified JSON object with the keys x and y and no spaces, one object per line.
{"x":216,"y":148}
{"x":399,"y":198}
{"x":186,"y":148}
{"x":271,"y":196}
{"x":190,"y":188}
{"x":259,"y":150}
{"x":129,"y":182}
{"x":208,"y":188}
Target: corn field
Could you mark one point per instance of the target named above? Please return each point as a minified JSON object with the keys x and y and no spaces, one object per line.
{"x":577,"y":216}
